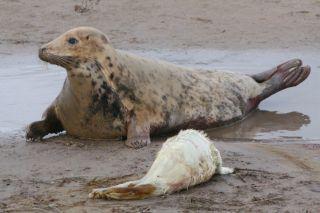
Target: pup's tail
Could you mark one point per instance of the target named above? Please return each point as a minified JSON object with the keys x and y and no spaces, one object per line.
{"x":131,"y":190}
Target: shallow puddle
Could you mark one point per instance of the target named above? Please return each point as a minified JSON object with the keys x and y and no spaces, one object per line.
{"x":28,"y":86}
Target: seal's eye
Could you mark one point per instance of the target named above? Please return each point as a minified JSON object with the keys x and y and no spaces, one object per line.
{"x":72,"y":41}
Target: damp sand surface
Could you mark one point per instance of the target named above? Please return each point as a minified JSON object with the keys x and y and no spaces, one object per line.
{"x":276,"y":148}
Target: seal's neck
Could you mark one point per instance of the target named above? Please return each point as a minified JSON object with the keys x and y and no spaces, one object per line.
{"x":95,"y":76}
{"x":85,"y":79}
{"x":92,"y":89}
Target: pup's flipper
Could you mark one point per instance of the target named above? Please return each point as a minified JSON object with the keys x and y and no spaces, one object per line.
{"x":125,"y":191}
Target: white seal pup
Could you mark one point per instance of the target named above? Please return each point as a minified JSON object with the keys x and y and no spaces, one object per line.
{"x":185,"y":160}
{"x":111,"y":94}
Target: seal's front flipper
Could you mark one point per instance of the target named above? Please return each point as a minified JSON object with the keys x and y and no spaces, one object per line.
{"x":50,"y":124}
{"x":138,"y":133}
{"x":138,"y":142}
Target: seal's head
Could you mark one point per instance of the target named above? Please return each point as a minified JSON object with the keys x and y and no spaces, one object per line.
{"x":73,"y":47}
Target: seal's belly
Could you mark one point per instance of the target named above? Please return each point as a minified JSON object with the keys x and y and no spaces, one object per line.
{"x":97,"y":127}
{"x":87,"y":120}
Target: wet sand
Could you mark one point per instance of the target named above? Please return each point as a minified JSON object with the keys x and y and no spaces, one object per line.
{"x":181,"y":24}
{"x":276,"y":148}
{"x":57,"y":175}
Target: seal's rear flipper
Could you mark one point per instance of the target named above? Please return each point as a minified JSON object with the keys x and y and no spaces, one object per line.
{"x":225,"y":170}
{"x":266,"y":75}
{"x":286,"y":75}
{"x":125,"y":191}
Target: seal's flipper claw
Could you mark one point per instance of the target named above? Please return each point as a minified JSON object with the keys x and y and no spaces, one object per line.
{"x":289,"y":65}
{"x":294,"y":77}
{"x":35,"y":131}
{"x":138,"y":132}
{"x":98,"y":193}
{"x":138,"y":142}
{"x":303,"y":75}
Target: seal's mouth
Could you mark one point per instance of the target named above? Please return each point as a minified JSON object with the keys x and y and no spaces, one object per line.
{"x":63,"y":61}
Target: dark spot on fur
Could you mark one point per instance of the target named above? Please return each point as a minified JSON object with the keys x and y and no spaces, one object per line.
{"x":93,"y":83}
{"x":107,"y":102}
{"x":111,"y":76}
{"x":105,"y":87}
{"x":221,"y":111}
{"x":95,"y":98}
{"x":184,"y":86}
{"x":96,"y":66}
{"x":127,"y":92}
{"x":240,"y":102}
{"x":100,"y":77}
{"x":77,"y":64}
{"x":80,"y":75}
{"x":116,"y":79}
{"x":115,"y":108}
{"x":110,"y":65}
{"x":164,"y":98}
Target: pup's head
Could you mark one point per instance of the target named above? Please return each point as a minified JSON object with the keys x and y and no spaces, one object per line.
{"x":74,"y":46}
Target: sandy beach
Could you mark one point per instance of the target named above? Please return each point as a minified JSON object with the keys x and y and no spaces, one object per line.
{"x":274,"y":174}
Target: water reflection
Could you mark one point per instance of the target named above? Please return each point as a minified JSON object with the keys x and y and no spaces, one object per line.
{"x":260,"y":122}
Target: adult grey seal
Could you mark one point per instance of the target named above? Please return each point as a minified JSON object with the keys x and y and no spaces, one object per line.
{"x":111,"y":94}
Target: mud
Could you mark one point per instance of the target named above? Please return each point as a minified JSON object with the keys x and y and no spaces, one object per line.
{"x":56,"y":175}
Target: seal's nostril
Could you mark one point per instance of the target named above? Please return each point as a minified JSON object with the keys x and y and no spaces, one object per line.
{"x":42,"y":50}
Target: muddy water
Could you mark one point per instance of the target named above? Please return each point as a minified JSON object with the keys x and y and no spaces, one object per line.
{"x":28,"y":86}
